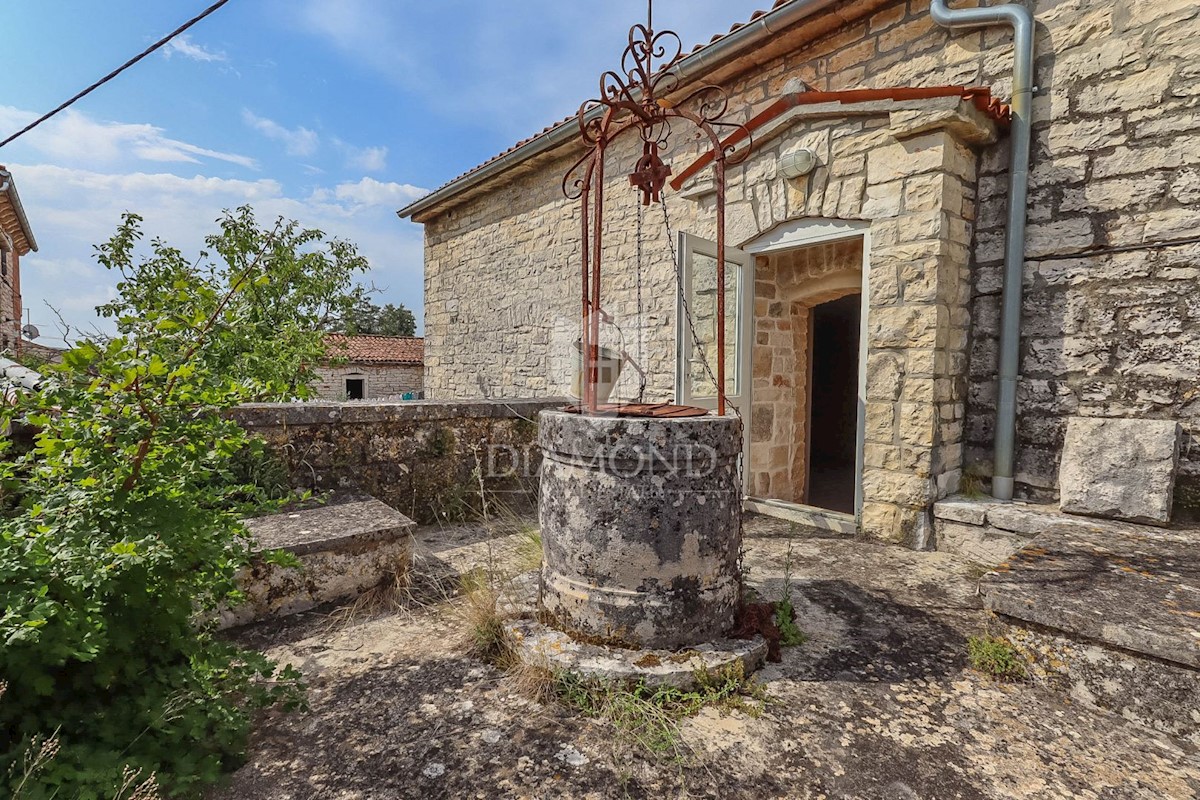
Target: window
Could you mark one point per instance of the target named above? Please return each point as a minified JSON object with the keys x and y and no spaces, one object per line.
{"x":3,"y":262}
{"x":356,"y":388}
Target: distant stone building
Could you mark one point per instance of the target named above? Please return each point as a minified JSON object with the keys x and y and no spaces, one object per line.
{"x":16,"y":240}
{"x":868,"y":327}
{"x":372,"y":367}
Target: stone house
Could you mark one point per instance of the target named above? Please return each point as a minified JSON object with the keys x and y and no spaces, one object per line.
{"x":16,"y":241}
{"x":367,"y":367}
{"x":867,"y":284}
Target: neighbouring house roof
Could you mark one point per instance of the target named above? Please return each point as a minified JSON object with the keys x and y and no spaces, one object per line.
{"x":12,"y":215}
{"x":44,"y":352}
{"x":381,"y":350}
{"x":15,"y":378}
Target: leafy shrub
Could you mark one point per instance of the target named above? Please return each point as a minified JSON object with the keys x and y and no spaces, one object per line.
{"x":121,"y":525}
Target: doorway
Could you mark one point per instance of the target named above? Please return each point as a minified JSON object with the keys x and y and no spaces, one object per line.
{"x":807,"y":396}
{"x":833,"y":403}
{"x":795,"y":347}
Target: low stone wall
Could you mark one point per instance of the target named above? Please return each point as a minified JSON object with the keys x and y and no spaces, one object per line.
{"x":424,"y":459}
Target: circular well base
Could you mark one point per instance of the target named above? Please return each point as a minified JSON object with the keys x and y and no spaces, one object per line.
{"x":538,"y":645}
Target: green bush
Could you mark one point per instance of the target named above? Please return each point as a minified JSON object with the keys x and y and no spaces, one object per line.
{"x":121,"y":526}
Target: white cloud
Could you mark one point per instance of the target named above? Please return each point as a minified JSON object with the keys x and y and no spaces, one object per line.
{"x":184,"y":46}
{"x":296,"y":141}
{"x":370,"y":192}
{"x":74,"y":137}
{"x":71,"y":210}
{"x":367,"y":159}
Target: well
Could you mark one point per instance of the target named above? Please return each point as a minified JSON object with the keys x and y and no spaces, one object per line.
{"x":641,"y":527}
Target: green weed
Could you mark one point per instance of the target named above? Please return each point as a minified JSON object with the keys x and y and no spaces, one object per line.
{"x":996,"y":656}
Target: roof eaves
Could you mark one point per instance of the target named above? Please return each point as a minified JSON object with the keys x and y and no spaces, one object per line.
{"x":9,"y":187}
{"x":703,"y":59}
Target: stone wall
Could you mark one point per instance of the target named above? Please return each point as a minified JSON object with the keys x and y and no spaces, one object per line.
{"x":1116,"y":165}
{"x":423,"y":459}
{"x":1111,"y":318}
{"x":10,"y":302}
{"x":383,"y":381}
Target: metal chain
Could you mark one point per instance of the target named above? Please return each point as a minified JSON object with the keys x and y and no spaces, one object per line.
{"x":641,"y":397}
{"x":687,"y":311}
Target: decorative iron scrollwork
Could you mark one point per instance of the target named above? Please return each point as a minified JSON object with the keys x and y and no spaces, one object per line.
{"x":638,"y":97}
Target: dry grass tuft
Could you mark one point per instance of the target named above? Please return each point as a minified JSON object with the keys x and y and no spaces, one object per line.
{"x":529,"y":549}
{"x":406,"y":591}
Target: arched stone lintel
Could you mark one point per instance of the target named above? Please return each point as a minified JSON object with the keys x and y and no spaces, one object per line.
{"x":827,"y":288}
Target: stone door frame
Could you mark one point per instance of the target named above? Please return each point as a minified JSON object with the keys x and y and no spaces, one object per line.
{"x":908,"y":170}
{"x":792,"y":235}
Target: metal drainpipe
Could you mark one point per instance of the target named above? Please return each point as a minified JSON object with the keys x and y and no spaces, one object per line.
{"x":1021,"y":20}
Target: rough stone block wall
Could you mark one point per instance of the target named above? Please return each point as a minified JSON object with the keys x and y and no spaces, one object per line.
{"x":1107,"y":330}
{"x":10,"y":303}
{"x":1111,"y":317}
{"x":423,"y":459}
{"x":383,"y":381}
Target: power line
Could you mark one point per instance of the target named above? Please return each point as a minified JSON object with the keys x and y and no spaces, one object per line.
{"x":117,"y":71}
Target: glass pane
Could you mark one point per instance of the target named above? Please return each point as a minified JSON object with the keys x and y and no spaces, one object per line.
{"x":702,"y":302}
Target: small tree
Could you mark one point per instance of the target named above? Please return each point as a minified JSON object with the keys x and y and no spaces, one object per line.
{"x":365,"y":316}
{"x":121,"y":524}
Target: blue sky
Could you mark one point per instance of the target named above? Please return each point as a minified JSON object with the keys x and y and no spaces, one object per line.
{"x":333,"y":112}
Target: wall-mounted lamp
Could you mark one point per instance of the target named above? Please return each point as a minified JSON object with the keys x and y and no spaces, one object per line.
{"x":797,"y":163}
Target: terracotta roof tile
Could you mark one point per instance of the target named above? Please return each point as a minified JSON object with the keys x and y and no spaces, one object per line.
{"x":369,"y":349}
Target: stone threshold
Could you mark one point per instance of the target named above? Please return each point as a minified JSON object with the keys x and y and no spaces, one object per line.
{"x":811,"y":516}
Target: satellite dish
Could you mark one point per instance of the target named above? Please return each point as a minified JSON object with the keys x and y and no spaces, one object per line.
{"x":30,"y":331}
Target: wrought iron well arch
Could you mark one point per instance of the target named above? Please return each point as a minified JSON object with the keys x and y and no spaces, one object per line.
{"x":636,"y":99}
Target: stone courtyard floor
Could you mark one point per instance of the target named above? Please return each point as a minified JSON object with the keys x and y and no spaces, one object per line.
{"x":878,"y":703}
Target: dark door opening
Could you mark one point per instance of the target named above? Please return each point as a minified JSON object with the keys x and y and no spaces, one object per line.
{"x":356,"y":388}
{"x":833,"y":407}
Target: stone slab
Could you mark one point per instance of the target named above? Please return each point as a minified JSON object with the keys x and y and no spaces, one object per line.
{"x":970,"y":512}
{"x":976,"y":543}
{"x":1159,"y":695}
{"x":1120,"y":468}
{"x":345,"y":549}
{"x":330,"y":527}
{"x":542,"y":646}
{"x":1029,"y":520}
{"x":1121,"y":589}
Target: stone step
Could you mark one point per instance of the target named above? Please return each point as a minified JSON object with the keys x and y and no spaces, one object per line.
{"x":1111,"y":614}
{"x":345,"y":548}
{"x":987,"y":532}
